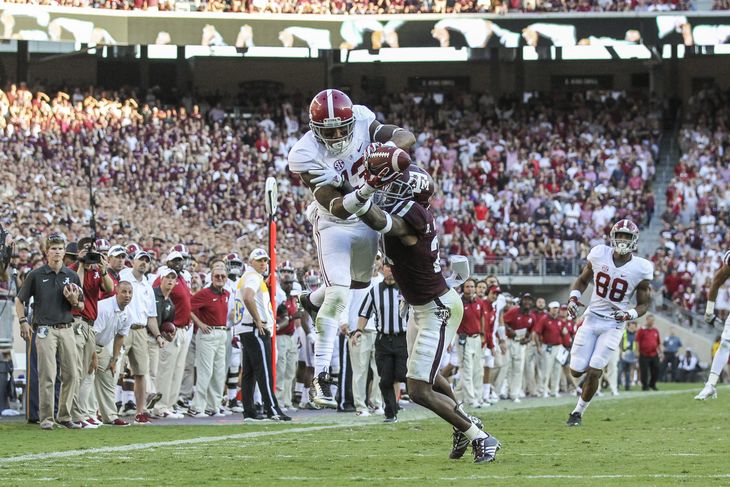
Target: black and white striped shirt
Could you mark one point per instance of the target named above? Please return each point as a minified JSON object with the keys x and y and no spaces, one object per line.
{"x":384,"y":300}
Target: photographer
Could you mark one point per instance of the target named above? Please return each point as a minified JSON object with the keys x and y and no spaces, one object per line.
{"x":8,"y":287}
{"x":91,"y":267}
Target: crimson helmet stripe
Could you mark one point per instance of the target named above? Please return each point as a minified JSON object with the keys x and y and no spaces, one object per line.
{"x":330,"y":105}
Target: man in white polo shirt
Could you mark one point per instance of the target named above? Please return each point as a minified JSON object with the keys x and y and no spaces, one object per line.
{"x":142,"y":314}
{"x":254,"y":321}
{"x":111,"y":325}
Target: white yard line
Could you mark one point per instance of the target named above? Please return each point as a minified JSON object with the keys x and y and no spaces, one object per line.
{"x":415,"y":416}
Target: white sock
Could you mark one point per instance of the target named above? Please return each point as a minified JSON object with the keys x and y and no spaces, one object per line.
{"x":257,"y":395}
{"x":474,"y":432}
{"x":118,"y":394}
{"x":325,"y":344}
{"x":305,"y":396}
{"x":317,"y":296}
{"x":719,"y":361}
{"x":298,"y":387}
{"x":581,"y":406}
{"x":128,"y":396}
{"x":486,"y":390}
{"x":232,"y":394}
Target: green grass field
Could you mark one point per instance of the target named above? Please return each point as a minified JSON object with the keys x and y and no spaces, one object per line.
{"x":662,"y":438}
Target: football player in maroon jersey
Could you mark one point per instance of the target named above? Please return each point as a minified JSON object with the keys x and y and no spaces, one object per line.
{"x":411,"y":245}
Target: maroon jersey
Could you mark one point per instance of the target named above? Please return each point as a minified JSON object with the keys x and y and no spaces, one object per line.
{"x":416,"y":269}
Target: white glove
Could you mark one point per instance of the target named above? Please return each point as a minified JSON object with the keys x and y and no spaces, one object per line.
{"x":327,"y":176}
{"x":620,"y":315}
{"x":572,"y":309}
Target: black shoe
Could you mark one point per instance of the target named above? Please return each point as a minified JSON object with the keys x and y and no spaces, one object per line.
{"x":460,"y":441}
{"x":152,"y":400}
{"x":485,"y":449}
{"x":349,"y":408}
{"x":278,"y":417}
{"x":34,"y":421}
{"x":653,"y":388}
{"x":259,"y":409}
{"x":118,"y":404}
{"x":574,"y":419}
{"x":307,"y":305}
{"x":254,"y":418}
{"x":129,"y":408}
{"x":394,"y":419}
{"x":322,"y":391}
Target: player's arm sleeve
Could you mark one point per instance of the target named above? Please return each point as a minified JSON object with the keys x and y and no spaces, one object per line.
{"x":647,"y":271}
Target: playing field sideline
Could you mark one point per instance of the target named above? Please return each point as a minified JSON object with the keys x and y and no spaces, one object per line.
{"x":661,"y":438}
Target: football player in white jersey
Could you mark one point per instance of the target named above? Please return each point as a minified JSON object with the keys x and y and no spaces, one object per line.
{"x":619,"y":279}
{"x":720,"y":359}
{"x":330,"y":160}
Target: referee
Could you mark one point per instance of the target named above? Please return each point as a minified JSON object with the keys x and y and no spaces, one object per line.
{"x":391,"y":351}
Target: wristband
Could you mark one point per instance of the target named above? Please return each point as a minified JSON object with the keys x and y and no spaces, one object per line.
{"x":575,"y":294}
{"x":633,"y":314}
{"x":366,"y":191}
{"x":352,"y":204}
{"x":710,"y":308}
{"x":25,"y":320}
{"x":388,"y":224}
{"x":364,"y":209}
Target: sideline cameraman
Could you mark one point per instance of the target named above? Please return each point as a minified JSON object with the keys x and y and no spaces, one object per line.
{"x":91,"y":268}
{"x":8,"y":288}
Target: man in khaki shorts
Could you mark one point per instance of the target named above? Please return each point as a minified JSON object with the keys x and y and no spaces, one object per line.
{"x":55,"y":290}
{"x":142,"y":314}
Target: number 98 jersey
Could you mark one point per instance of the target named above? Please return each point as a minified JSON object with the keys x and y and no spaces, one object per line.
{"x":614,"y":287}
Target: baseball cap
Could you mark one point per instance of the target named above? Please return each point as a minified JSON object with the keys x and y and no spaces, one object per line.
{"x":526,"y":295}
{"x":258,"y":254}
{"x":554,"y":304}
{"x":71,"y":248}
{"x":494,"y":289}
{"x":141,"y":254}
{"x":563,"y":306}
{"x":173,"y":255}
{"x":166,"y":272}
{"x":116,"y":250}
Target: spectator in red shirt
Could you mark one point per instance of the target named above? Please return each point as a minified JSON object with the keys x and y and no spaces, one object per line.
{"x":649,"y":350}
{"x":209,"y":313}
{"x":470,"y":345}
{"x":518,"y":323}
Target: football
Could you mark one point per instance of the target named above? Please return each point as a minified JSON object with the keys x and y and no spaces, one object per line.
{"x":167,"y":327}
{"x":389,"y":159}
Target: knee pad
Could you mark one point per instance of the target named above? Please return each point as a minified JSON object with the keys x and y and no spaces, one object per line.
{"x":335,"y":301}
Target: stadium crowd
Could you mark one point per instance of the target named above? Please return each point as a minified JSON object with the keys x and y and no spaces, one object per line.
{"x":698,"y":206}
{"x":518,"y":181}
{"x":355,"y":7}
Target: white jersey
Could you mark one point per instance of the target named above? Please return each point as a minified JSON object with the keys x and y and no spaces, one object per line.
{"x":308,"y":154}
{"x":614,"y":288}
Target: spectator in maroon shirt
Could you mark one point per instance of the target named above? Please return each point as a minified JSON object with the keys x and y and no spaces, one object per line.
{"x":650,"y":348}
{"x":209,"y":313}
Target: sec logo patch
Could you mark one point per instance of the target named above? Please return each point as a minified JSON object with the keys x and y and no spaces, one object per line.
{"x":339,"y":165}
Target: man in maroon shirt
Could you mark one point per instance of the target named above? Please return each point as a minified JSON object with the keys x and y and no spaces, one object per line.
{"x":209,"y":313}
{"x":116,"y":257}
{"x":469,"y":345}
{"x":650,"y":347}
{"x":94,"y":279}
{"x":172,"y":358}
{"x":518,"y":323}
{"x":548,"y":336}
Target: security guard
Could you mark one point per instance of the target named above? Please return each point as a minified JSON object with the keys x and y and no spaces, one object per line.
{"x":55,"y":290}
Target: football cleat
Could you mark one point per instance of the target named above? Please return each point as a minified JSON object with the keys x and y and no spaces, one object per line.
{"x":235,"y":406}
{"x":278,"y":417}
{"x":460,"y":441}
{"x":394,"y":419}
{"x":322,"y":391}
{"x":485,"y":449}
{"x":707,"y":392}
{"x":574,"y":419}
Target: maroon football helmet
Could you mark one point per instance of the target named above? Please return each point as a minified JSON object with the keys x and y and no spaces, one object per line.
{"x":234,"y":264}
{"x":332,"y":120}
{"x":413,"y":184}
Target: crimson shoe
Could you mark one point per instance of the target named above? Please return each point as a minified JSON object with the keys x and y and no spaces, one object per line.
{"x":88,"y":426}
{"x":118,"y":422}
{"x":94,"y":421}
{"x":72,"y":425}
{"x":142,"y":418}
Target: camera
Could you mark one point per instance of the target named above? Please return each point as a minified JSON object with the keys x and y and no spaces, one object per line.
{"x":92,"y":257}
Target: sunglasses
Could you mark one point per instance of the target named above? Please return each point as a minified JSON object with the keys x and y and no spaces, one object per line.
{"x":220,"y":276}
